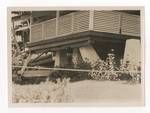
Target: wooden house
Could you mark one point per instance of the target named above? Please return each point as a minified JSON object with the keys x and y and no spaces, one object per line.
{"x":86,"y":34}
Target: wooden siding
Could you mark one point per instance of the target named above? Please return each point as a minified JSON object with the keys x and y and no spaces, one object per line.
{"x":107,"y":21}
{"x":50,"y":29}
{"x":65,"y":24}
{"x":81,"y":21}
{"x":130,"y":24}
{"x":36,"y":33}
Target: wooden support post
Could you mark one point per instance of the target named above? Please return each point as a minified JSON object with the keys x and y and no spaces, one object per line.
{"x":21,"y":72}
{"x":57,"y":59}
{"x":89,"y":53}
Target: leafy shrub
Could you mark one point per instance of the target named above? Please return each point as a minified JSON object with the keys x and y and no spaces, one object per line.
{"x":73,"y":75}
{"x":107,"y":70}
{"x":46,"y":92}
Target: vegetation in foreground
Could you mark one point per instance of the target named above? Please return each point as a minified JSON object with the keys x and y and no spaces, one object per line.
{"x":45,"y":92}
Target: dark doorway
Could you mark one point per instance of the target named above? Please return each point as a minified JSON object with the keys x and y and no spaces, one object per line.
{"x":104,"y":48}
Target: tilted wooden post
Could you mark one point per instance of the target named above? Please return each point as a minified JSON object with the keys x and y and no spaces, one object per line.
{"x":25,"y":64}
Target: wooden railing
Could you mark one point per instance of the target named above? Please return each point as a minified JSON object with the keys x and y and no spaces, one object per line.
{"x":67,"y":24}
{"x":101,"y":21}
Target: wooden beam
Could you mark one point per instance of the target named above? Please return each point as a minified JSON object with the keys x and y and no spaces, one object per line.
{"x":41,"y":62}
{"x":81,"y":35}
{"x":60,"y":38}
{"x":22,"y":28}
{"x":52,"y":49}
{"x":74,"y":45}
{"x":35,"y":59}
{"x":56,"y":44}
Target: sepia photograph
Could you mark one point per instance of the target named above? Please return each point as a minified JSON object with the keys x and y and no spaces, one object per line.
{"x":76,"y":56}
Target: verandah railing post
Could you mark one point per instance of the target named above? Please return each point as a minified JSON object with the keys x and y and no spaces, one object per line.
{"x":57,"y":19}
{"x":91,"y":20}
{"x":72,"y":22}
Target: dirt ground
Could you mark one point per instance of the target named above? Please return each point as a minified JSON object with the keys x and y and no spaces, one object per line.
{"x":107,"y":92}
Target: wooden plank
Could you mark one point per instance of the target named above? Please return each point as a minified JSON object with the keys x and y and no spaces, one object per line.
{"x":37,"y":73}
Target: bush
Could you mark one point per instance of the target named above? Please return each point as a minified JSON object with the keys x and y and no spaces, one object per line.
{"x":73,"y":75}
{"x":107,"y":70}
{"x":46,"y":92}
